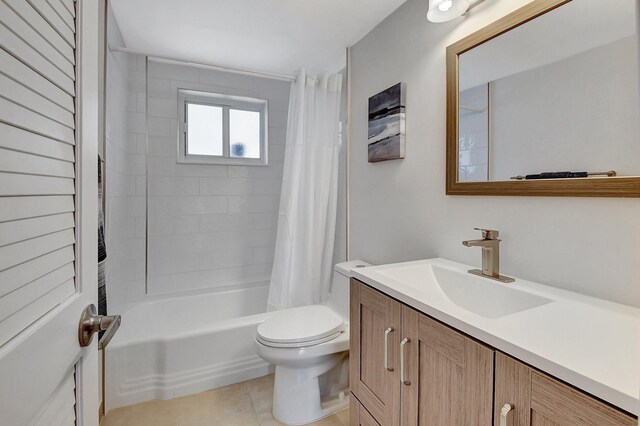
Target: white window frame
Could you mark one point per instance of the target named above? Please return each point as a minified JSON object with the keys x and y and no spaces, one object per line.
{"x":226,"y":102}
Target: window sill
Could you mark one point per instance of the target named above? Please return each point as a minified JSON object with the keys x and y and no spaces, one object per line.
{"x":223,"y":161}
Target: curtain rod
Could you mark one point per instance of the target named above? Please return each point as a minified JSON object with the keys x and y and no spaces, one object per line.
{"x":241,"y":71}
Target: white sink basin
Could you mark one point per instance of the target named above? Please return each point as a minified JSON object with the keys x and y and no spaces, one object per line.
{"x":482,"y":296}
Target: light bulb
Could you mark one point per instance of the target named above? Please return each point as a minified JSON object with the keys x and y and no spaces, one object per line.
{"x":445,"y":5}
{"x":446,"y":10}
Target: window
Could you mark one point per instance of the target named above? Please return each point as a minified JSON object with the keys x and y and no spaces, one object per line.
{"x":220,"y":129}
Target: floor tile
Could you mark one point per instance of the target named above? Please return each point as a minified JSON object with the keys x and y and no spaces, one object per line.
{"x":343,"y":415}
{"x":227,"y":406}
{"x":152,"y":413}
{"x":261,"y":391}
{"x":332,"y":420}
{"x":243,"y":404}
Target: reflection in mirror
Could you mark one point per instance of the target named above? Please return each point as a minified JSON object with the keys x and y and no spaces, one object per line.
{"x":558,"y":93}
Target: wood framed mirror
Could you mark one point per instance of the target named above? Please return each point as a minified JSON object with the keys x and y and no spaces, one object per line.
{"x":551,"y":87}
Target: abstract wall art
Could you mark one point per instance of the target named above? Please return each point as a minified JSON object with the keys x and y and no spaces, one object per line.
{"x":387,"y":124}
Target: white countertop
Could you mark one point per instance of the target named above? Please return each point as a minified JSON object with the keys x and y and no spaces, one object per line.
{"x":590,"y":343}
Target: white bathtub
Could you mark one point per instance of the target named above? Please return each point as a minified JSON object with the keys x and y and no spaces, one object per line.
{"x":179,"y":346}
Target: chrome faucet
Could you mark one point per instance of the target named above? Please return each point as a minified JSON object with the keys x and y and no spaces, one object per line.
{"x":490,"y":255}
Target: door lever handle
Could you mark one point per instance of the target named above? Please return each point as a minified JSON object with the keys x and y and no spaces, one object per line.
{"x":91,"y":323}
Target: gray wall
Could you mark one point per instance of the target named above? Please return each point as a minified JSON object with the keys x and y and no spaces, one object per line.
{"x":587,"y":127}
{"x":399,"y":210}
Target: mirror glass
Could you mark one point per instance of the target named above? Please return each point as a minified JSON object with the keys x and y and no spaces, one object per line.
{"x":558,"y":93}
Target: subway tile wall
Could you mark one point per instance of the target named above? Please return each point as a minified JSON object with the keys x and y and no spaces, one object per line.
{"x":474,"y":134}
{"x":210,"y":226}
{"x":125,"y":174}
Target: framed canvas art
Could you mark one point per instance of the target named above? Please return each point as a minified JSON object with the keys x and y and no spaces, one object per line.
{"x":387,"y":124}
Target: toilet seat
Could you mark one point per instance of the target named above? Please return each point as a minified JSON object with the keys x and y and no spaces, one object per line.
{"x":300,"y":327}
{"x":298,"y":344}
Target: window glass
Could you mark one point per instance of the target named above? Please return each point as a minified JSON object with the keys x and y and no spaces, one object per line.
{"x":204,"y":130}
{"x":244,"y":133}
{"x":221,"y":129}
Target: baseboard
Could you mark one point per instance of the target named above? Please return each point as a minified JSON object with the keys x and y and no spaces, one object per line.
{"x":169,"y":386}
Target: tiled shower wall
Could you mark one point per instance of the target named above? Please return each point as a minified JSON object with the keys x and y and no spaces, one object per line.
{"x":125,"y":174}
{"x":474,"y":134}
{"x":210,"y":226}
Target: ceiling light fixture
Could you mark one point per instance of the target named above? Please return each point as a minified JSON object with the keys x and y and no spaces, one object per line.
{"x":446,"y":10}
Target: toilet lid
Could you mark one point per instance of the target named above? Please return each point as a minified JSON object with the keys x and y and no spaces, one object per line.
{"x":299,"y":325}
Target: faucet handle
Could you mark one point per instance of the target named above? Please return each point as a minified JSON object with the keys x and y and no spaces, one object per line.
{"x":489,"y":234}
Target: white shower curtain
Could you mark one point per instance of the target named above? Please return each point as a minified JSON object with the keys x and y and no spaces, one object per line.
{"x":302,"y":266}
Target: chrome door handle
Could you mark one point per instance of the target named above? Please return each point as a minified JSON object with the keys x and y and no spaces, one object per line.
{"x":91,"y":322}
{"x":386,"y":349}
{"x":402,"y":345}
{"x":506,"y":409}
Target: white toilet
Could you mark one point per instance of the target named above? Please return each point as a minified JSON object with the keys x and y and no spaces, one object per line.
{"x":309,"y":346}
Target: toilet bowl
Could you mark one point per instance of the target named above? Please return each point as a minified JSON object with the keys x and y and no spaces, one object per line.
{"x":309,"y":345}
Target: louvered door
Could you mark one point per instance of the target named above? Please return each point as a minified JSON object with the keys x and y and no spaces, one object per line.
{"x":48,"y":216}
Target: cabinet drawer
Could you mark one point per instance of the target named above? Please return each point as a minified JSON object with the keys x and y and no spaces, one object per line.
{"x":555,"y":403}
{"x":540,"y":400}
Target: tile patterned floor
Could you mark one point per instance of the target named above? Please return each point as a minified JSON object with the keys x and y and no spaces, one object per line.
{"x":242,"y":404}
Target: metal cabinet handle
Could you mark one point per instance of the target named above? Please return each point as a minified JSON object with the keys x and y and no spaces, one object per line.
{"x":402,"y":345}
{"x":506,"y":409}
{"x":386,"y":349}
{"x":91,"y":323}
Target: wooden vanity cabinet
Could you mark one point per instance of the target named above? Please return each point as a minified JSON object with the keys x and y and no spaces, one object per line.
{"x":537,"y":399}
{"x":358,"y":416}
{"x":375,"y":324}
{"x":450,"y":379}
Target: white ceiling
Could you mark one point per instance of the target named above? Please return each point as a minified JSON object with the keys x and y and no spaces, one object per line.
{"x":271,"y":35}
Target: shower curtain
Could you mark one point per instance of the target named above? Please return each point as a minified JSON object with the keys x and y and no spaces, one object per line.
{"x":302,"y":266}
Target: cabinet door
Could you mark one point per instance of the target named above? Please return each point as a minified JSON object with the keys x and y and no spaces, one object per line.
{"x":513,"y":387}
{"x":539,"y":400}
{"x":375,"y":325}
{"x":358,"y":416}
{"x":448,"y":378}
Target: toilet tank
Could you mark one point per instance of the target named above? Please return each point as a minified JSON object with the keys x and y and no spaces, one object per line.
{"x":339,"y":296}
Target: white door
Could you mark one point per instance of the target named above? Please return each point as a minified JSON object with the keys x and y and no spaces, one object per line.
{"x":48,"y":210}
